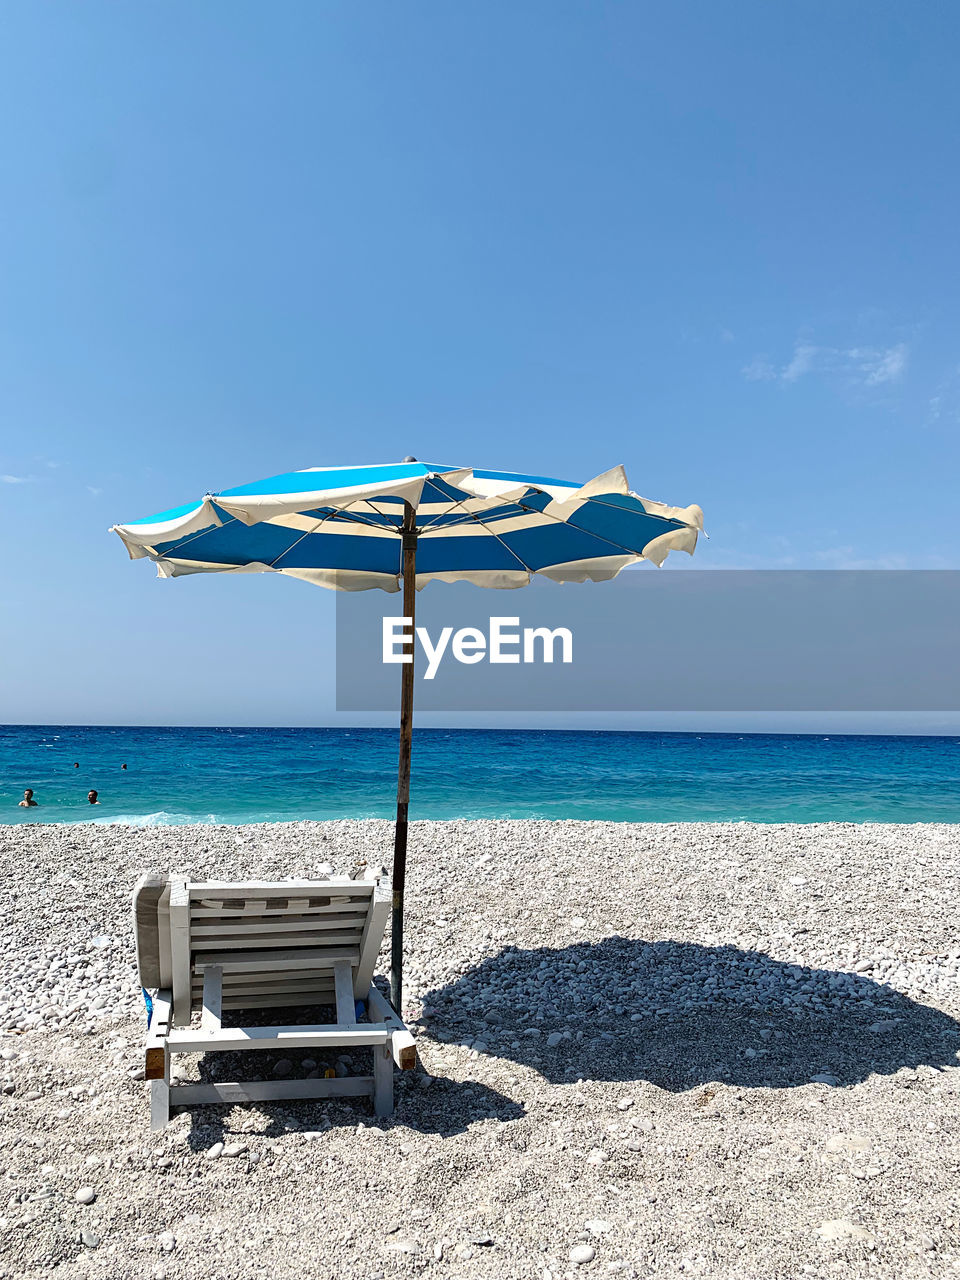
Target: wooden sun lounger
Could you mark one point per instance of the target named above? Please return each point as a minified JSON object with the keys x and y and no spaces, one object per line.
{"x":207,"y":949}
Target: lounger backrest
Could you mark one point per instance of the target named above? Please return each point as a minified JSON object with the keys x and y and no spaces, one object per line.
{"x":276,"y":942}
{"x":148,"y":922}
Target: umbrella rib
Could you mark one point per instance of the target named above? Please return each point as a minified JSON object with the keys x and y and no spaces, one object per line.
{"x":424,"y":528}
{"x":355,"y":516}
{"x":232,"y":520}
{"x":441,"y":515}
{"x":199,"y":534}
{"x":467,"y":515}
{"x":503,"y":544}
{"x":391,"y":528}
{"x":550,"y":516}
{"x":590,"y":534}
{"x":306,"y":534}
{"x":587,"y":532}
{"x":331,"y":514}
{"x":612,"y":506}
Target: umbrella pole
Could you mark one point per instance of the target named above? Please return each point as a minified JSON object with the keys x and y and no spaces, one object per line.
{"x":403,"y":770}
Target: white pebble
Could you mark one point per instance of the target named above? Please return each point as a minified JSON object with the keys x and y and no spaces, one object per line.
{"x":842,"y":1229}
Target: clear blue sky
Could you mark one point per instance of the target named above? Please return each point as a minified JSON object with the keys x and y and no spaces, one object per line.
{"x":717,"y":243}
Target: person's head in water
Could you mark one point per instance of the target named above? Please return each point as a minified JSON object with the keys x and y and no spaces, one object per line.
{"x":76,"y":764}
{"x":123,"y":766}
{"x":28,"y":801}
{"x":92,"y":797}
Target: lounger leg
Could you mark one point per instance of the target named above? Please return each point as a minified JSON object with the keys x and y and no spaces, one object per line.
{"x":157,"y":1059}
{"x":160,"y":1097}
{"x":382,"y":1080}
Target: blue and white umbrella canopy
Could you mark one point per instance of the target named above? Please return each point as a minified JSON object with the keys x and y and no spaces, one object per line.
{"x":340,"y":527}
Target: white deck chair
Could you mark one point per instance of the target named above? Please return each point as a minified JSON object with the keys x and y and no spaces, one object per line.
{"x":207,"y":948}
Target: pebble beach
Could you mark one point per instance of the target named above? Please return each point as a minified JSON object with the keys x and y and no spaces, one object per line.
{"x":699,"y":1049}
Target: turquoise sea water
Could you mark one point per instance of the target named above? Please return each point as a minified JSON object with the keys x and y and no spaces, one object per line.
{"x":270,"y":775}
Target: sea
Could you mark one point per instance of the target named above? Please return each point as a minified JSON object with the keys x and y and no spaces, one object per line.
{"x":229,"y":775}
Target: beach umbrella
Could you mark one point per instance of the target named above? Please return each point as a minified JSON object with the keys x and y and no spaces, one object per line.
{"x":408,"y":524}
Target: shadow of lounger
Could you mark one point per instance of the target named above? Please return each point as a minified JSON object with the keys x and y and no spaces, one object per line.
{"x":428,"y":1105}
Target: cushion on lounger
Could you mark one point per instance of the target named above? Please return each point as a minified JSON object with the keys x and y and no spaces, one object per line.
{"x":146,"y":902}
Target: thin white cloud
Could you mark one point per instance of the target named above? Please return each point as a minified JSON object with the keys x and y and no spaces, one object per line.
{"x":827,"y":558}
{"x":876,"y":366}
{"x":91,"y":488}
{"x":759,"y":370}
{"x":850,"y":558}
{"x":867,"y":366}
{"x":944,"y":404}
{"x":7,"y":479}
{"x":804,"y":356}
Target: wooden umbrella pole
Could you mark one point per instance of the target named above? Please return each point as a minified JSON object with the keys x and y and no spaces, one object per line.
{"x":403,"y":771}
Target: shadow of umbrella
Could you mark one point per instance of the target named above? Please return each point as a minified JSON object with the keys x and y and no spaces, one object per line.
{"x":679,"y":1015}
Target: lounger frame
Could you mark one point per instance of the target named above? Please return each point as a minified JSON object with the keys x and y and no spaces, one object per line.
{"x":233,"y":946}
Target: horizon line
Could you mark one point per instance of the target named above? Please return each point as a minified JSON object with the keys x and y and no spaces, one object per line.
{"x":393,"y":729}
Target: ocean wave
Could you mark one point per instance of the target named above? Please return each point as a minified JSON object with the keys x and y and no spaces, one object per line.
{"x":159,"y":819}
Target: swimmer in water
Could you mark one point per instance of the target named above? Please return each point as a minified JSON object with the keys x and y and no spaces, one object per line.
{"x":92,"y":797}
{"x":28,"y":801}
